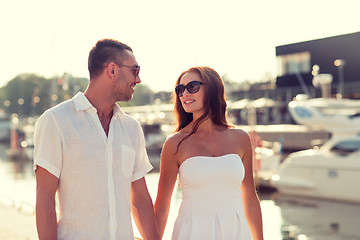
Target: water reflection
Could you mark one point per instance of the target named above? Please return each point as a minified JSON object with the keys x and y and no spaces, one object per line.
{"x":17,"y":180}
{"x":304,"y":218}
{"x":285,"y":218}
{"x":18,"y":164}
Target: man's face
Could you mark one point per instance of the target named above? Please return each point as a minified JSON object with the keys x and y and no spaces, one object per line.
{"x":125,"y":78}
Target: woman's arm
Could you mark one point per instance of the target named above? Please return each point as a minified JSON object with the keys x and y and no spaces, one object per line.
{"x":250,"y":199}
{"x":168,"y":173}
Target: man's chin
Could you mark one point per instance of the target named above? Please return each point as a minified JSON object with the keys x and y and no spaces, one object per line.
{"x":126,"y":98}
{"x":129,"y":97}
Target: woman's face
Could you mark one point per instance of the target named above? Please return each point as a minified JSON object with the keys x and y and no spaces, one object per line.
{"x":192,"y":102}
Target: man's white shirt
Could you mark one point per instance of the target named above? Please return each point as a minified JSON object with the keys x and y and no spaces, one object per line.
{"x":95,"y":171}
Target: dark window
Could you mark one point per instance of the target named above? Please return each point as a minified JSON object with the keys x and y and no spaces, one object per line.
{"x":346,"y":147}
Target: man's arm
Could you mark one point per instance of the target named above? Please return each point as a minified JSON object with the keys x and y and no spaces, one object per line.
{"x":143,"y":211}
{"x":46,"y":221}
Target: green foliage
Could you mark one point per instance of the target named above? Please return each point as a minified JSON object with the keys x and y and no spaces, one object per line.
{"x":19,"y":92}
{"x":31,"y":94}
{"x":142,"y":96}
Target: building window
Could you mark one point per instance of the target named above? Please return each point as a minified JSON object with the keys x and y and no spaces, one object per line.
{"x":294,"y":63}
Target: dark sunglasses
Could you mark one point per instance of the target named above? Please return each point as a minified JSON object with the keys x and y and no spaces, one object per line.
{"x":191,"y":87}
{"x":137,"y":68}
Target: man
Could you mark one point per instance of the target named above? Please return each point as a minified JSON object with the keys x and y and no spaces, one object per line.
{"x":94,"y":156}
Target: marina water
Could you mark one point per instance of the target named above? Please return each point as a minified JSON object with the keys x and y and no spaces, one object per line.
{"x":284,"y":217}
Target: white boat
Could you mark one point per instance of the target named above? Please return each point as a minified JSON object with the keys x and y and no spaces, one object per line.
{"x":269,"y":157}
{"x":338,"y":116}
{"x":331,"y":171}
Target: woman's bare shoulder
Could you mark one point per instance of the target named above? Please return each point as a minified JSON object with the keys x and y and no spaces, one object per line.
{"x":239,"y":133}
{"x":172,"y":141}
{"x":241,"y":142}
{"x":175,"y":138}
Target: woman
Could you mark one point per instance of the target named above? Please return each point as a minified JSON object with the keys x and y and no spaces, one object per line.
{"x":214,"y":162}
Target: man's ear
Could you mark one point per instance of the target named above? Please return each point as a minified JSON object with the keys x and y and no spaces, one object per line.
{"x":110,"y":69}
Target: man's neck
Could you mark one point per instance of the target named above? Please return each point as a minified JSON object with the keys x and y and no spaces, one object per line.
{"x":104,"y":106}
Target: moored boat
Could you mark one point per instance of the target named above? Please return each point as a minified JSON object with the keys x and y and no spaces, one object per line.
{"x":331,"y":171}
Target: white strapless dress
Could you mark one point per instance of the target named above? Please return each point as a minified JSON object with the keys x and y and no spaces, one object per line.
{"x":211,"y":207}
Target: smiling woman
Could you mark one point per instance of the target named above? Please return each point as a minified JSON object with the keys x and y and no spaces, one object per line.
{"x":214,"y":165}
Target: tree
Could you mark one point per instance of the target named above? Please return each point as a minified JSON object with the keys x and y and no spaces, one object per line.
{"x":30,"y":94}
{"x":17,"y":95}
{"x":142,"y":96}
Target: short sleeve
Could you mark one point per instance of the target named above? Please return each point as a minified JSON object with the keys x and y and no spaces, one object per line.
{"x":142,"y":163}
{"x":47,"y":145}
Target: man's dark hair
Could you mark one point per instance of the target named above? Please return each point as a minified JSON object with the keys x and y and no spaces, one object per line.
{"x":104,"y":52}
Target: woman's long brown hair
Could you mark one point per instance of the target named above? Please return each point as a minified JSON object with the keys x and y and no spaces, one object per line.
{"x":214,"y":102}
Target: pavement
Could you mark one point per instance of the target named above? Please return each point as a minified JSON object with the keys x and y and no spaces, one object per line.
{"x":17,"y":224}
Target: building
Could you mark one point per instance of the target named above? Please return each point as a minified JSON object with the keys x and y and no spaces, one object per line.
{"x":297,"y":65}
{"x":296,"y":62}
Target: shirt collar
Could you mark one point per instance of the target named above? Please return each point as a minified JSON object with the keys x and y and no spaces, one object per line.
{"x":82,"y":104}
{"x":117,"y":110}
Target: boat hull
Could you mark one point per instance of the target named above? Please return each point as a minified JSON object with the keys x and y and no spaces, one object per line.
{"x":314,"y":175}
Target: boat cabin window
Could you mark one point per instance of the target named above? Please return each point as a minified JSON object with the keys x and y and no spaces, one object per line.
{"x":346,"y":147}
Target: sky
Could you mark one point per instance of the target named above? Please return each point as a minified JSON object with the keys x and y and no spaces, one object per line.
{"x":235,"y":37}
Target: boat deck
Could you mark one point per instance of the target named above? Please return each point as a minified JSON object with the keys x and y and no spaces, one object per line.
{"x":293,"y":137}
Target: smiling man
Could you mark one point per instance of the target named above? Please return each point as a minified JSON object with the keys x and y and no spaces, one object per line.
{"x":94,"y":156}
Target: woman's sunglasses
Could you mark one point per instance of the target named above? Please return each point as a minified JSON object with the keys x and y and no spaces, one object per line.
{"x":191,"y":87}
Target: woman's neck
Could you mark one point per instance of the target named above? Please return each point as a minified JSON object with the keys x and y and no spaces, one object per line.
{"x":206,"y":125}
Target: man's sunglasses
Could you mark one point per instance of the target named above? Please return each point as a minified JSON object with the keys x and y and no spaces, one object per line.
{"x":137,"y":68}
{"x":191,"y":87}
